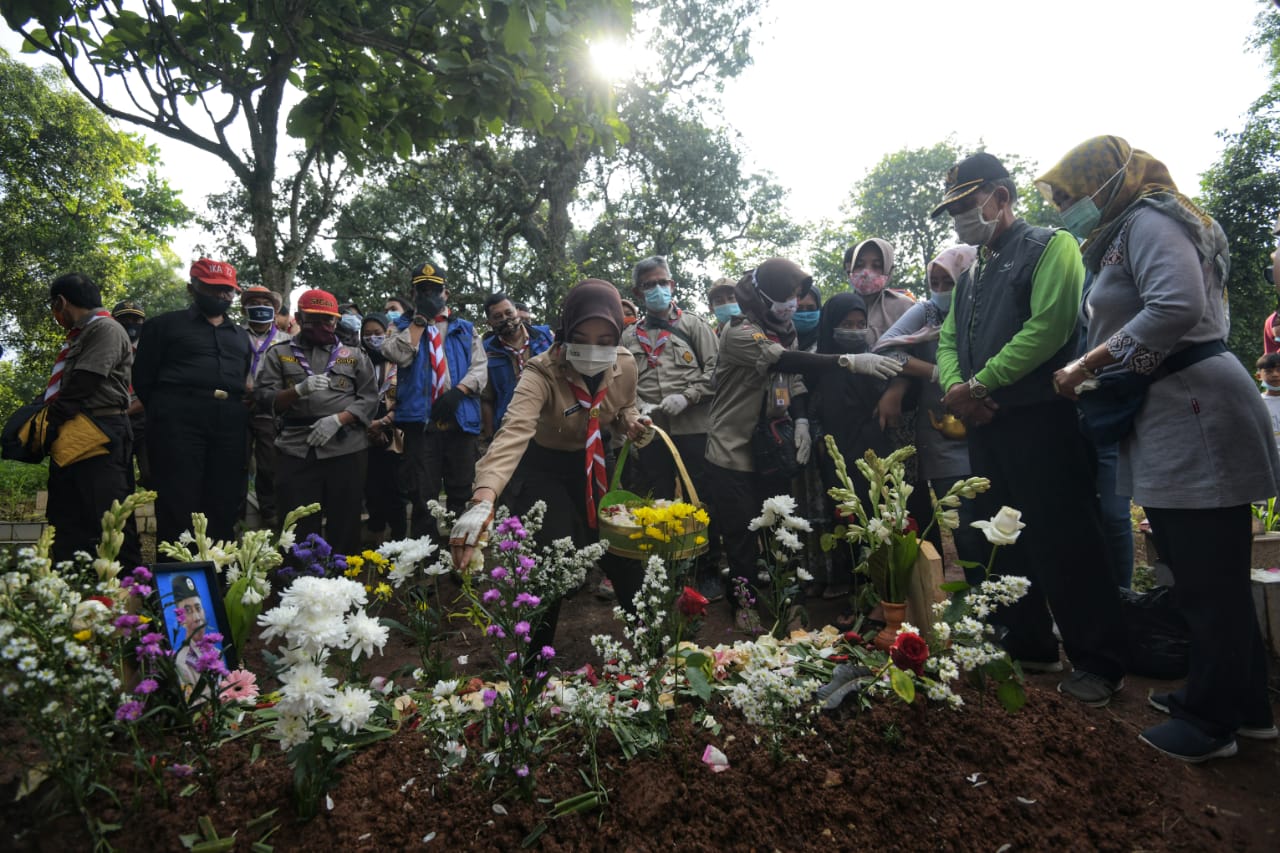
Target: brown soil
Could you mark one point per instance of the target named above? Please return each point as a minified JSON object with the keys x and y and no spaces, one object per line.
{"x":1055,"y":775}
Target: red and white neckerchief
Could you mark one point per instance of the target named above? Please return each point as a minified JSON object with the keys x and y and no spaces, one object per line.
{"x":435,"y":349}
{"x":517,"y":353}
{"x":387,"y":378}
{"x":54,"y":386}
{"x":653,"y":351}
{"x":596,"y":479}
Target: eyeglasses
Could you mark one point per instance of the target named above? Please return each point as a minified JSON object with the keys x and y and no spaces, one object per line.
{"x":651,"y":284}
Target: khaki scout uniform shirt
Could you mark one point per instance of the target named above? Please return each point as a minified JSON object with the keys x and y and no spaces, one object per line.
{"x":103,"y":349}
{"x":545,"y":410}
{"x":742,"y":384}
{"x":351,"y":389}
{"x":678,"y":372}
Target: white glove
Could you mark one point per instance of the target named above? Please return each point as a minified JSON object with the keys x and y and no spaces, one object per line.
{"x":312,"y":384}
{"x":324,"y":429}
{"x":674,"y":404}
{"x":647,"y":435}
{"x":870,"y":364}
{"x":645,"y":408}
{"x":804,"y":442}
{"x":472,"y":524}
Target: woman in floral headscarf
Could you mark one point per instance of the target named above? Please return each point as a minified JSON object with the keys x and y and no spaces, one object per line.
{"x":1200,"y":447}
{"x":870,"y":269}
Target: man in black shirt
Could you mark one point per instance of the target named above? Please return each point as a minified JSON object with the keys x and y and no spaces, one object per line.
{"x":191,"y":374}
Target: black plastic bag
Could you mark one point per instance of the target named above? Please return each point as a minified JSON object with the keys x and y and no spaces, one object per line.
{"x":1159,"y":640}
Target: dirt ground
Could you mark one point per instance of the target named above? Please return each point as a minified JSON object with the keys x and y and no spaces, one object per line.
{"x":1054,"y":775}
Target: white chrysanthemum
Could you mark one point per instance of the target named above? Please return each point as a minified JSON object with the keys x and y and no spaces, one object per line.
{"x":788,"y":539}
{"x":291,"y":730}
{"x":443,"y":689}
{"x":364,"y":634}
{"x":803,"y":575}
{"x":351,"y":708}
{"x":306,"y":687}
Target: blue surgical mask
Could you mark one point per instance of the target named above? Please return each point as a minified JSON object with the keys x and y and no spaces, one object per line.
{"x":724,"y":313}
{"x":942,"y":301}
{"x":350,"y":322}
{"x":1270,"y":387}
{"x":392,"y":316}
{"x":806,"y":321}
{"x":657,"y":298}
{"x":1081,"y":218}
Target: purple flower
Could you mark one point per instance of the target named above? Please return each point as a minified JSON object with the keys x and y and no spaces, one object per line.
{"x":538,"y":676}
{"x":525,"y":562}
{"x":496,"y":631}
{"x":508,"y":545}
{"x":512,"y":658}
{"x":522,"y":771}
{"x":142,"y":574}
{"x":488,"y":697}
{"x":511,"y":524}
{"x":141,"y":590}
{"x":498,"y":573}
{"x":180,"y":615}
{"x":490,"y":596}
{"x":129,"y":711}
{"x":522,"y":630}
{"x":524,"y":599}
{"x":212,"y":637}
{"x":145,"y":686}
{"x":152,"y":637}
{"x":547,"y":653}
{"x":182,"y":771}
{"x":126,"y":623}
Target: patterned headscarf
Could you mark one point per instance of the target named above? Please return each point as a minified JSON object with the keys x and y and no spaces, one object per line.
{"x":954,"y":260}
{"x":1136,"y":179}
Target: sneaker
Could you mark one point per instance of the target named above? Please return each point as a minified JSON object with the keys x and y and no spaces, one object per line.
{"x":1183,"y":741}
{"x":1093,"y":690}
{"x":1160,"y":701}
{"x":605,"y":590}
{"x":1040,"y":665}
{"x":711,"y":588}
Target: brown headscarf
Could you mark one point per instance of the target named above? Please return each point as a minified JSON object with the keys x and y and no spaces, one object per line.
{"x":592,"y":298}
{"x":780,"y":280}
{"x":1136,"y":179}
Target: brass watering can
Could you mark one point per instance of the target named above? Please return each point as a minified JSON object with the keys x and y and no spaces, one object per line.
{"x":950,"y":425}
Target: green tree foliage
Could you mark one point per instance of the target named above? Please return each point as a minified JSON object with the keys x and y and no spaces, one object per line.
{"x":365,"y":78}
{"x":1242,"y":191}
{"x":506,"y":212}
{"x":75,"y":195}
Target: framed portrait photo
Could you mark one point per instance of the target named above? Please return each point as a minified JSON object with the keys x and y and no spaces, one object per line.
{"x":191,"y":605}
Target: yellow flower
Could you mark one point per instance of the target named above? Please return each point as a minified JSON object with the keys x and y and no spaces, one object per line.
{"x":701,"y":517}
{"x":83,"y":636}
{"x":636,"y":536}
{"x":382,"y":591}
{"x":144,"y":619}
{"x":351,"y":572}
{"x":699,"y":540}
{"x":645,"y":546}
{"x":354,"y":562}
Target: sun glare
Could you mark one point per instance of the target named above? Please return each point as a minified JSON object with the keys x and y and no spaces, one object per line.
{"x":614,"y":60}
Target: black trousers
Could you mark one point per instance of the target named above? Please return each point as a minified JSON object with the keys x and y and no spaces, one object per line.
{"x":558,"y":478}
{"x":1210,"y":554}
{"x":1039,"y":463}
{"x":79,"y":494}
{"x":435,"y":458}
{"x":335,"y":485}
{"x":656,"y":474}
{"x":262,"y":436}
{"x":383,"y":497}
{"x":738,"y":496}
{"x":199,"y":462}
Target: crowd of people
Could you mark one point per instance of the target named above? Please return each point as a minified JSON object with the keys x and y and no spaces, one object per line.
{"x":1079,"y":369}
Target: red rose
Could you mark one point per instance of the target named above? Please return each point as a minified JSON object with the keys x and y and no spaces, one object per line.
{"x":692,"y":604}
{"x":853,"y":637}
{"x":909,"y":652}
{"x":103,"y":600}
{"x":911,"y":525}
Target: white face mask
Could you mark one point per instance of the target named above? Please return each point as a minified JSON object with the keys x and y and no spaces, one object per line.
{"x":783,"y":311}
{"x":971,"y":228}
{"x":589,"y":359}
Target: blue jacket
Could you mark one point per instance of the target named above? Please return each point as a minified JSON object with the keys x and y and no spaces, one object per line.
{"x":413,"y":404}
{"x":502,"y":373}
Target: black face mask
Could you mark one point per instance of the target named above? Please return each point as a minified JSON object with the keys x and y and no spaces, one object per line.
{"x":430,"y":301}
{"x":210,"y":306}
{"x":133,"y":330}
{"x":507,"y":327}
{"x":850,"y":340}
{"x":319,"y":336}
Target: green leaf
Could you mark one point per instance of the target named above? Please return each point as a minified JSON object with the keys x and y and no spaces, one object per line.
{"x":902,"y":684}
{"x":1012,"y":695}
{"x":699,"y":683}
{"x":516,"y":33}
{"x":955,"y":586}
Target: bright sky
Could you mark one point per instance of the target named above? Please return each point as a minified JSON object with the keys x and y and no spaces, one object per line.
{"x":837,"y":84}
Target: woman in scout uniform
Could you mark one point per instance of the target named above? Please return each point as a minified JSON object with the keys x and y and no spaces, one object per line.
{"x":324,"y":396}
{"x":550,"y":446}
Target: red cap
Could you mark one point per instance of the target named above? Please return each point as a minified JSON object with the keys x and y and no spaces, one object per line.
{"x":318,"y":302}
{"x":217,"y":273}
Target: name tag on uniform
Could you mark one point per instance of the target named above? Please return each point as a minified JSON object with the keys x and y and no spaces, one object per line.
{"x":576,"y":407}
{"x":345,"y":361}
{"x":290,"y":359}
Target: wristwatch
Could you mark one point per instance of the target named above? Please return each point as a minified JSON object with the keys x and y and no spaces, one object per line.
{"x":977,"y":390}
{"x":419,"y":320}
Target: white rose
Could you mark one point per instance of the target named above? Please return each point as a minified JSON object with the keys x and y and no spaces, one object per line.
{"x":1003,"y":528}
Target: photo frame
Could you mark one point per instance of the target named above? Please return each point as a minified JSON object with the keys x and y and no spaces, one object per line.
{"x":194,"y":587}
